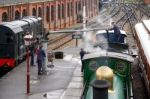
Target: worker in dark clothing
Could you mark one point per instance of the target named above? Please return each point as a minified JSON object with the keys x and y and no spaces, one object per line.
{"x":82,"y":53}
{"x":40,"y":59}
{"x":116,"y":31}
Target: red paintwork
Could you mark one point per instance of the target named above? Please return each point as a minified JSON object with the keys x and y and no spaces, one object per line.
{"x":10,"y":62}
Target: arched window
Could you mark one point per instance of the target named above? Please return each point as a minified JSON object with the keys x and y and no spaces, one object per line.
{"x":72,"y":9}
{"x":68,"y":9}
{"x":76,"y":7}
{"x":52,"y":13}
{"x":79,"y":6}
{"x":47,"y":13}
{"x":39,"y":12}
{"x":63,"y":11}
{"x":4,"y":16}
{"x":24,"y":13}
{"x":17,"y":15}
{"x":34,"y":12}
{"x":59,"y":11}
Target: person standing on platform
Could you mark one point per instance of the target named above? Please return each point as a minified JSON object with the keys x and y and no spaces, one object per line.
{"x":40,"y":59}
{"x":32,"y":54}
{"x":82,"y":53}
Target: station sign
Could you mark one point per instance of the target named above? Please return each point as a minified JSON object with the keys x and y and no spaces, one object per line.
{"x":76,"y":36}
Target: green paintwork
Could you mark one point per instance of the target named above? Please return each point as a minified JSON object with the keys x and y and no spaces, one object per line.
{"x":106,"y":61}
{"x":122,"y":72}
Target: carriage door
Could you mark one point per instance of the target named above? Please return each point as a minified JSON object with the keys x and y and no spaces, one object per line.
{"x":21,"y":47}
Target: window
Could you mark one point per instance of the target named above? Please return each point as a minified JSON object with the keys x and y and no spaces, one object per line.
{"x":79,"y":6}
{"x":9,"y":38}
{"x":72,"y":9}
{"x":76,"y":7}
{"x":68,"y":9}
{"x":4,"y":16}
{"x":63,"y":12}
{"x":39,"y":12}
{"x":59,"y":12}
{"x":47,"y":13}
{"x":17,"y":15}
{"x":34,"y":12}
{"x":24,"y":13}
{"x":52,"y":13}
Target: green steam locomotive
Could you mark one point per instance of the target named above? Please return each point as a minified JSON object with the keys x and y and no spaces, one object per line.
{"x":107,"y":70}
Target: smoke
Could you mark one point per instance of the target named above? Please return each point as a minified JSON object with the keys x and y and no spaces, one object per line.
{"x":91,"y":38}
{"x":91,"y":42}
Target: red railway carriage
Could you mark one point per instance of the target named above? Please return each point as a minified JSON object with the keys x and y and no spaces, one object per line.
{"x":143,"y":42}
{"x":12,"y":45}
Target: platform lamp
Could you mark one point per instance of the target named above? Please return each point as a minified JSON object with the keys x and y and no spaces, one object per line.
{"x":28,"y":38}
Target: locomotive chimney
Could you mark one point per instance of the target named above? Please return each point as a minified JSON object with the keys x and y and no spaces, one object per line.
{"x":100,"y":89}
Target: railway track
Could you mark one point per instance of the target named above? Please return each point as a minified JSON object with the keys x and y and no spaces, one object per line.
{"x":59,"y":42}
{"x":128,"y":25}
{"x":127,"y":21}
{"x":125,"y":15}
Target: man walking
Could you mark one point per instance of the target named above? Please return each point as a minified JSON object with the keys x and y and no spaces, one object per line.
{"x":82,"y":53}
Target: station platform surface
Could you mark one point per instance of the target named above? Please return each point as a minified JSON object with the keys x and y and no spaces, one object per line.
{"x":64,"y":81}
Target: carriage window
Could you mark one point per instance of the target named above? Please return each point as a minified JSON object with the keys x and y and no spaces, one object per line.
{"x":9,"y":38}
{"x":20,"y":39}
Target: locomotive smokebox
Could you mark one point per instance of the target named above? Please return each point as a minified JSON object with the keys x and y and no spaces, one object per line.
{"x":100,"y":89}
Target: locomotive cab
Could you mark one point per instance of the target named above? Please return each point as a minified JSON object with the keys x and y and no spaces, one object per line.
{"x":108,"y":36}
{"x":106,"y":40}
{"x":8,"y":43}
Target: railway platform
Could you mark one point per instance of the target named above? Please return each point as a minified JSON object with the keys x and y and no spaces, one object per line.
{"x":64,"y":81}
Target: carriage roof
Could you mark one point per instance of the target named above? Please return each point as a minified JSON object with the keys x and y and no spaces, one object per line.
{"x":33,"y":18}
{"x":144,"y":37}
{"x":28,"y":20}
{"x":14,"y":26}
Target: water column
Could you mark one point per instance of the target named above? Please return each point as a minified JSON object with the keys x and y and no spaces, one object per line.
{"x":84,"y":21}
{"x":87,"y":35}
{"x":45,"y":63}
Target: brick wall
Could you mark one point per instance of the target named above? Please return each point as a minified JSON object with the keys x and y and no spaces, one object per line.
{"x":49,"y":11}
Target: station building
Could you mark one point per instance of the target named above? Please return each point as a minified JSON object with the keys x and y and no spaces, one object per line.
{"x":56,"y":14}
{"x":147,"y":2}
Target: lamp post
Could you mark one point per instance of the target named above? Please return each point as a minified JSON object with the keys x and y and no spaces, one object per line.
{"x":28,"y":40}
